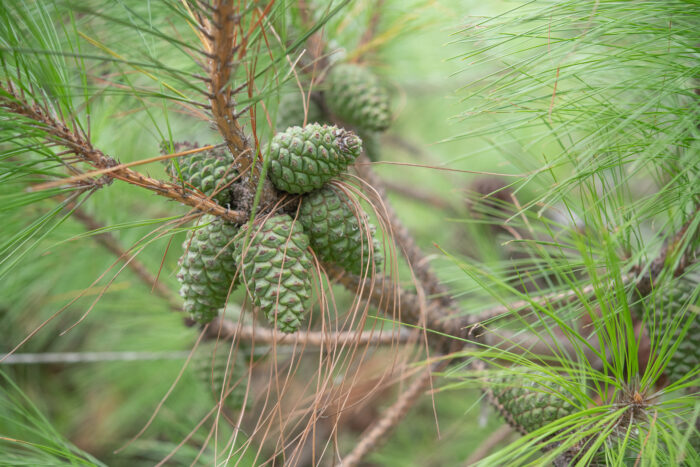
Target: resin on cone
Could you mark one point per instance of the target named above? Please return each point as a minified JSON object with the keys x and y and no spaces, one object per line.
{"x":276,"y":269}
{"x":207,"y":268}
{"x":336,"y":233}
{"x":302,"y":159}
{"x":356,"y":96}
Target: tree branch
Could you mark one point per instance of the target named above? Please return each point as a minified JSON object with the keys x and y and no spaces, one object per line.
{"x":225,"y":329}
{"x":220,"y":49}
{"x":111,"y":244}
{"x":403,"y":238}
{"x":391,"y":416}
{"x":59,"y":133}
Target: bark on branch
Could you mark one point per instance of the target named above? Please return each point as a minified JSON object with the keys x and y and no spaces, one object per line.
{"x":58,"y":132}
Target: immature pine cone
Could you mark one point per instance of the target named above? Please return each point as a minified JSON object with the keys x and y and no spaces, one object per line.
{"x":335,"y":233}
{"x":531,"y":404}
{"x":210,"y":172}
{"x":302,"y":159}
{"x":276,"y":269}
{"x":211,"y":369}
{"x":207,"y":268}
{"x":290,"y":111}
{"x":355,"y":96}
{"x":664,"y":311}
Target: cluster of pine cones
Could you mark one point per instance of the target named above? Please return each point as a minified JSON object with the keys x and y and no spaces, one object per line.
{"x":272,"y":255}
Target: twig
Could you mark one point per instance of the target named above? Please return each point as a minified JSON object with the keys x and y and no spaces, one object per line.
{"x":110,"y":243}
{"x":487,"y":446}
{"x":89,"y":357}
{"x":220,"y":48}
{"x":419,"y":195}
{"x":391,"y":416}
{"x":407,"y":307}
{"x":59,"y":133}
{"x":225,"y":329}
{"x":373,"y":25}
{"x":403,"y":238}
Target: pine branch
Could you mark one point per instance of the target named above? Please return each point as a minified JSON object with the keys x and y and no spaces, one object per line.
{"x":77,"y":143}
{"x":225,"y":329}
{"x":403,"y":238}
{"x":448,"y":323}
{"x":111,"y":244}
{"x":372,"y":27}
{"x":222,"y":41}
{"x":422,"y":196}
{"x":391,"y":417}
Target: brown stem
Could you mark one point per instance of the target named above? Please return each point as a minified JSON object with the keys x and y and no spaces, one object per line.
{"x":409,"y":308}
{"x":221,"y":47}
{"x":419,"y":195}
{"x":391,"y":416}
{"x":221,"y":43}
{"x":403,"y":238}
{"x":111,"y":244}
{"x":373,"y":25}
{"x":59,"y":133}
{"x":225,"y":329}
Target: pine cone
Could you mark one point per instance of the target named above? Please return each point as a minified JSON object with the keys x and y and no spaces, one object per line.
{"x":212,"y":172}
{"x":334,"y":231}
{"x":276,"y":268}
{"x":304,"y":158}
{"x":665,"y":308}
{"x":210,"y":364}
{"x":355,"y":96}
{"x":529,"y":405}
{"x":290,"y":111}
{"x":207,"y":268}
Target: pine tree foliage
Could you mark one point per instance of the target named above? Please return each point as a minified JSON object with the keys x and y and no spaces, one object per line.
{"x":571,"y":279}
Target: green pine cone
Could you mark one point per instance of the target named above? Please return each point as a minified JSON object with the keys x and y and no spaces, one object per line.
{"x":530,"y":405}
{"x":666,"y":307}
{"x":291,"y":111}
{"x":276,"y":268}
{"x":335,"y":233}
{"x":207,"y":268}
{"x":355,"y":96}
{"x":302,"y":159}
{"x":211,"y":172}
{"x":210,"y":364}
